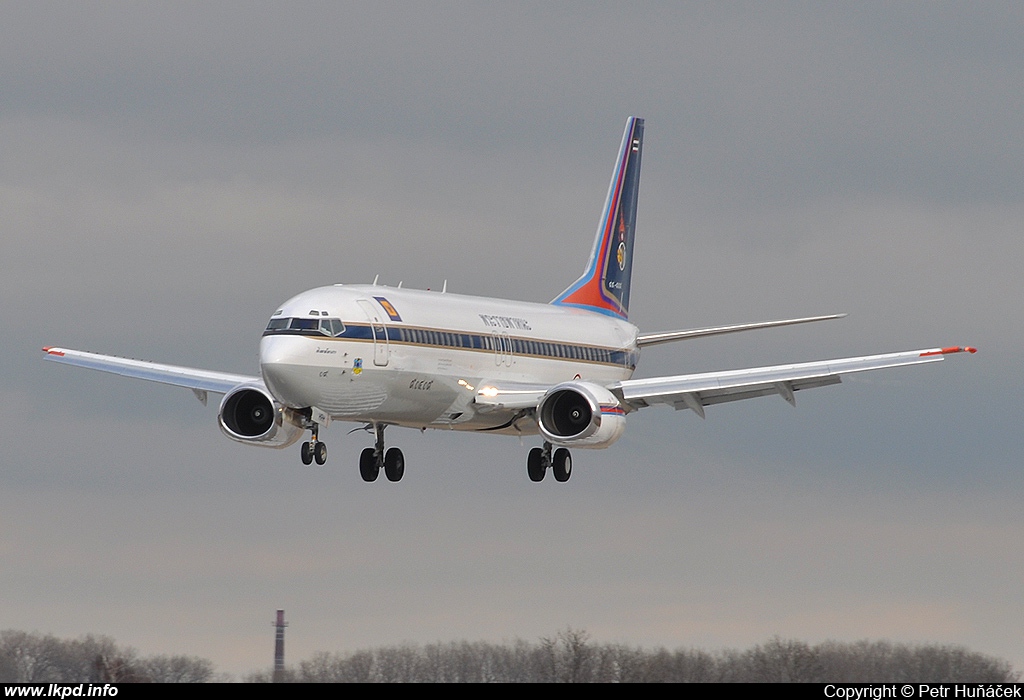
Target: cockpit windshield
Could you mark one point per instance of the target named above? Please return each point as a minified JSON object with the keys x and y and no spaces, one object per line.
{"x":305,"y":326}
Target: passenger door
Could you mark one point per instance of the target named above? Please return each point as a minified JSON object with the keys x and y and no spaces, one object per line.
{"x":379,"y":329}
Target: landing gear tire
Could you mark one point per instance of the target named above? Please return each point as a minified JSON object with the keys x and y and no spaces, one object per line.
{"x":561,"y":464}
{"x":535,"y":466}
{"x":307,"y":453}
{"x":320,"y":453}
{"x":394,"y":464}
{"x":369,"y":469}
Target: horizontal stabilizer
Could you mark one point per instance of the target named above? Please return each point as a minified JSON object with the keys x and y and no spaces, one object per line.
{"x":671,"y":336}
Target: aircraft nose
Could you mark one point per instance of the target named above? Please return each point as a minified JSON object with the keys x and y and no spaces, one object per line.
{"x":280,"y":349}
{"x":281,"y":362}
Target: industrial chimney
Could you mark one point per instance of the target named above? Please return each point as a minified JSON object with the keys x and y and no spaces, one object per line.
{"x":280,"y":624}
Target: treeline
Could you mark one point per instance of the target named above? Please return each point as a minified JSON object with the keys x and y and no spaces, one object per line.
{"x":29,"y":657}
{"x":567,"y":657}
{"x":570,"y":657}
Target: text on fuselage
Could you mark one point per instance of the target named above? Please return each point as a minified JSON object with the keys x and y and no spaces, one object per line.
{"x":519,"y":324}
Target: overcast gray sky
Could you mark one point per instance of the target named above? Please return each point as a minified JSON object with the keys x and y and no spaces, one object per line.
{"x":171,"y":172}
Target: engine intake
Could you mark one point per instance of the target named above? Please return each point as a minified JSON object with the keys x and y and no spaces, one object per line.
{"x":249,"y":414}
{"x":581,"y":414}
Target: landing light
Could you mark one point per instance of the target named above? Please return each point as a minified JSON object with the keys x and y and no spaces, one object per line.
{"x":489,"y":391}
{"x":463,"y":382}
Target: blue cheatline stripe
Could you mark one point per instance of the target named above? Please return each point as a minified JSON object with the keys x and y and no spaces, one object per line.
{"x":436,"y":338}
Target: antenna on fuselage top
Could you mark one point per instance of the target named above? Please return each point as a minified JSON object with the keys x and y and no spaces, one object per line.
{"x":400,"y":284}
{"x":444,"y":288}
{"x":375,"y":278}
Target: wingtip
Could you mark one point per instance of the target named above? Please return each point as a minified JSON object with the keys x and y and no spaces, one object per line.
{"x":950,"y":350}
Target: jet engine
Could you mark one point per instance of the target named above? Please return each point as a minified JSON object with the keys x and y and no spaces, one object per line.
{"x":581,"y":414}
{"x":250,"y":414}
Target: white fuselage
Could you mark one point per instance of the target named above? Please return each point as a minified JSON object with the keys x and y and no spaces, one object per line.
{"x":416,"y":358}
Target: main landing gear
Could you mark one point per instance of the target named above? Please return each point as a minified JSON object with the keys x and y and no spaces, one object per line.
{"x":314,"y":449}
{"x":372,"y":459}
{"x":540,"y":458}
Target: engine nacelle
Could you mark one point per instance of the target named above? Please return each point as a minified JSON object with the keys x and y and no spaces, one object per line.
{"x":580,"y":414}
{"x":250,"y":414}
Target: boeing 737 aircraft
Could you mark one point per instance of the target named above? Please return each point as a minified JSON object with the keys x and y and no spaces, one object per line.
{"x":386,"y":356}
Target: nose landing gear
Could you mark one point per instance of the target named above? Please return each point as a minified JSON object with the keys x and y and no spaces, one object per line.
{"x":314,"y":449}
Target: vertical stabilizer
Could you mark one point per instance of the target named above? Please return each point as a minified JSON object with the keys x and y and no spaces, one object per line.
{"x":604,"y":286}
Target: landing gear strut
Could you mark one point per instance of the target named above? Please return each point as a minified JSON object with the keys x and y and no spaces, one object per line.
{"x":375,"y":458}
{"x":314,"y":449}
{"x":541,"y":458}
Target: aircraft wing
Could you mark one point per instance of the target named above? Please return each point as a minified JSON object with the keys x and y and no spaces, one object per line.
{"x":199,"y":381}
{"x":695,"y":391}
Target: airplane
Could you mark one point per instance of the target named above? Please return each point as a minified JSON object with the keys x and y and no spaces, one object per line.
{"x":385,"y":356}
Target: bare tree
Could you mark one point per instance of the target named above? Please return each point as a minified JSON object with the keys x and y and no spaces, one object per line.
{"x":34,"y":658}
{"x":177,"y":669}
{"x":782,"y":661}
{"x":398,"y":664}
{"x":28,"y":658}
